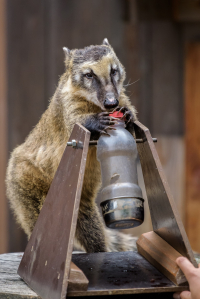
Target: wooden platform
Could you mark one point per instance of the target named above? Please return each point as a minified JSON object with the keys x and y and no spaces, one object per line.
{"x":110,"y":274}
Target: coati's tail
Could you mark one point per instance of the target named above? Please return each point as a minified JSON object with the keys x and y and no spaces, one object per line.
{"x":117,"y":241}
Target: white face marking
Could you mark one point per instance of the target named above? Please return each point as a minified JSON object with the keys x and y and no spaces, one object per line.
{"x":88,"y":82}
{"x":120,"y":69}
{"x":109,"y":68}
{"x":77,"y":77}
{"x":68,"y":86}
{"x":86,"y":71}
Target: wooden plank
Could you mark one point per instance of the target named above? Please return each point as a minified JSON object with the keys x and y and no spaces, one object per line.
{"x":26,"y":103}
{"x":77,"y":280}
{"x":46,"y":261}
{"x":3,"y":130}
{"x":192,"y":108}
{"x":11,"y":285}
{"x":162,"y":256}
{"x":165,"y":218}
{"x":146,"y":226}
{"x":171,"y":151}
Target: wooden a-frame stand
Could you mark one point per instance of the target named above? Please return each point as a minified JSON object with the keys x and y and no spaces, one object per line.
{"x":47,"y":265}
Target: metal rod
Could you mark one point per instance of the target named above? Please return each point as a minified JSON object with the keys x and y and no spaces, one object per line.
{"x":73,"y":143}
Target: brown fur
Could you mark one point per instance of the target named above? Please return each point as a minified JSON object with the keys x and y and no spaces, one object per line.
{"x":33,"y":164}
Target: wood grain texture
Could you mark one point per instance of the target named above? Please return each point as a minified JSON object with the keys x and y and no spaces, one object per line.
{"x":12,"y":286}
{"x":3,"y":130}
{"x":192,"y":108}
{"x":45,"y":265}
{"x":166,"y":220}
{"x":161,"y":255}
{"x":171,"y":151}
{"x":77,"y":279}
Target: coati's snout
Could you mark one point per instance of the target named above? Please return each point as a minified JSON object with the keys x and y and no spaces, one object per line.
{"x":110,"y":101}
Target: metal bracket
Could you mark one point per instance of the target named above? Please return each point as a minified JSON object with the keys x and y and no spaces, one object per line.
{"x":74,"y":142}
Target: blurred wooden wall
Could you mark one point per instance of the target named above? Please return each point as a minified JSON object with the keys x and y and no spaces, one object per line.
{"x":3,"y":130}
{"x":147,"y":38}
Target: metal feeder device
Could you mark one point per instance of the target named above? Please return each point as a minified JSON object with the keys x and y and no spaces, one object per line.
{"x":48,"y":265}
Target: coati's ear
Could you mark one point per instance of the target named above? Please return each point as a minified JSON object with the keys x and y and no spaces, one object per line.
{"x":66,"y":51}
{"x":105,"y":42}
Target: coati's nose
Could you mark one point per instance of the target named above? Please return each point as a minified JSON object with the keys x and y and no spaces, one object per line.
{"x":110,"y":101}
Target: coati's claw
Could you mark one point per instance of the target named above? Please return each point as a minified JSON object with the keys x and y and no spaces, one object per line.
{"x":105,"y":129}
{"x":110,"y":128}
{"x":130,"y":116}
{"x":122,"y":109}
{"x":105,"y":133}
{"x":130,"y":119}
{"x":115,"y":109}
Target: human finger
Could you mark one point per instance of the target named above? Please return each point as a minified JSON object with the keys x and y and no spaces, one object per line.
{"x":186,"y":266}
{"x":185,"y":295}
{"x":176,"y":295}
{"x":182,"y":295}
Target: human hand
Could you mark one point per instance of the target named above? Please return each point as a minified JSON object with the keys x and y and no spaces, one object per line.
{"x":193,"y":277}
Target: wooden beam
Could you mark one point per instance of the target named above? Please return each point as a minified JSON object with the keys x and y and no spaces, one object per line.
{"x":162,"y":256}
{"x":3,"y":129}
{"x":192,"y":108}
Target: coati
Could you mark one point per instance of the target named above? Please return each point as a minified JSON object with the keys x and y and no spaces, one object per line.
{"x":90,"y":88}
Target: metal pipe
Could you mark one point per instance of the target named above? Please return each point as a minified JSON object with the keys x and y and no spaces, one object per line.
{"x":73,"y":143}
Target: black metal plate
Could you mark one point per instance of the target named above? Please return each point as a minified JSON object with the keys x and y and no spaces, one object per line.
{"x":121,"y":273}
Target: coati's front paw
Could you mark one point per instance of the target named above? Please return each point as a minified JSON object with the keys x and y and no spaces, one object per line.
{"x":98,"y":124}
{"x":128,"y":117}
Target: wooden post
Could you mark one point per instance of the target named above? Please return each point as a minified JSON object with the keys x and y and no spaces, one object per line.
{"x":3,"y":129}
{"x":192,"y":110}
{"x":162,"y":256}
{"x":45,"y":265}
{"x":165,"y":218}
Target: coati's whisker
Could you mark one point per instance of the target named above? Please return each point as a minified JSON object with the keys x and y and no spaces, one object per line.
{"x":131,"y":83}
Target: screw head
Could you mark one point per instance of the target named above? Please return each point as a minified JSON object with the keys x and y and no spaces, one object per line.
{"x":74,"y":143}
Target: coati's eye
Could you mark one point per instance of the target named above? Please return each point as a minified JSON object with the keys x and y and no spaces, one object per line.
{"x":89,"y":75}
{"x":113,"y":72}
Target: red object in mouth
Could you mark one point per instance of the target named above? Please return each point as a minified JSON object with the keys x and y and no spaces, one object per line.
{"x":116,"y":114}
